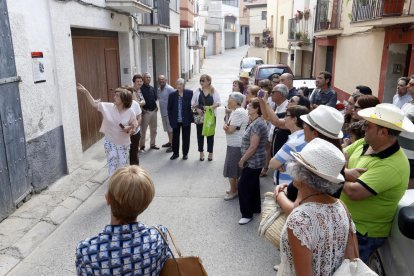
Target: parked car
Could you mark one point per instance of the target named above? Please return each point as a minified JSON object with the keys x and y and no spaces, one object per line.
{"x":247,"y":63}
{"x":260,"y":72}
{"x":395,"y":257}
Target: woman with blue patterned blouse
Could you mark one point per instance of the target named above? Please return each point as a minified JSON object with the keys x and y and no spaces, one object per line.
{"x":125,"y":247}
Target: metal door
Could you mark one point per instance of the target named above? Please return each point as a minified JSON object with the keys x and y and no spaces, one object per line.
{"x":14,"y":184}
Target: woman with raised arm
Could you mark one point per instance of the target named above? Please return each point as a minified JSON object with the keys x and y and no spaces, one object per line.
{"x":118,"y":123}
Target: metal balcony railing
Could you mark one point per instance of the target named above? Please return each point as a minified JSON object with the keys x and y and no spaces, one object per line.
{"x":325,"y":20}
{"x":160,"y":14}
{"x":363,"y":10}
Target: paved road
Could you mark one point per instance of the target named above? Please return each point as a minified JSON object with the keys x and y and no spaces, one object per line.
{"x":189,"y":201}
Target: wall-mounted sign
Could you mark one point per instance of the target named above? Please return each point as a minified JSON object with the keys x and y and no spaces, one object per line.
{"x":38,"y":65}
{"x":396,"y":68}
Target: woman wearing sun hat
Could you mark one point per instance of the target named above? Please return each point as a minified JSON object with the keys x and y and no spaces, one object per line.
{"x":315,"y":236}
{"x":323,"y":122}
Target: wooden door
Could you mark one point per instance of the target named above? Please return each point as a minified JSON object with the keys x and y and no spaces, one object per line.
{"x":96,"y":58}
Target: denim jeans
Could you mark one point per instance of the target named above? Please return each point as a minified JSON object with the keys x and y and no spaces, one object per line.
{"x":367,"y":246}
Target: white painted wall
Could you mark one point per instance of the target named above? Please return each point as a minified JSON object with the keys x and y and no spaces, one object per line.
{"x":256,"y":23}
{"x":45,"y":25}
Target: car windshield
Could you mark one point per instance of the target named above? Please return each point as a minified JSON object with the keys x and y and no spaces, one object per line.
{"x":264,"y":73}
{"x":249,"y":63}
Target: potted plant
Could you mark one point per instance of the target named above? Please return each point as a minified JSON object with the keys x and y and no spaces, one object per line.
{"x":298,"y":35}
{"x":324,"y":23}
{"x":306,"y":14}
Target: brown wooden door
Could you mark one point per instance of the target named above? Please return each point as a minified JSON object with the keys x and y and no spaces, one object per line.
{"x":96,"y":60}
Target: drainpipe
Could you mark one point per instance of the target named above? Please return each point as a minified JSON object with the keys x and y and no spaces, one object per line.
{"x":313,"y":57}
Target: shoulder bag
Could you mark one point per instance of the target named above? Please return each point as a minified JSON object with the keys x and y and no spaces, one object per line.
{"x":273,"y":220}
{"x":354,"y":266}
{"x":180,"y":266}
{"x":199,"y":118}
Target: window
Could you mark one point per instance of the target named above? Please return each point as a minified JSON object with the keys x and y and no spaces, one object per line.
{"x":282,"y":24}
{"x":264,"y":15}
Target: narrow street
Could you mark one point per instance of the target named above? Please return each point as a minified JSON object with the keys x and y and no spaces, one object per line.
{"x":189,"y":201}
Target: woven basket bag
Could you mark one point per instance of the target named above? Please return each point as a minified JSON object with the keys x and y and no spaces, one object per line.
{"x":273,"y":220}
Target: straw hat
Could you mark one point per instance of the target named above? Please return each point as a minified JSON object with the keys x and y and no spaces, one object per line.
{"x":244,"y":75}
{"x":326,"y":120}
{"x":387,"y":115}
{"x":323,"y":159}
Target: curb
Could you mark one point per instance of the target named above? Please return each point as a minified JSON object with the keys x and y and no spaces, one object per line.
{"x":12,"y":255}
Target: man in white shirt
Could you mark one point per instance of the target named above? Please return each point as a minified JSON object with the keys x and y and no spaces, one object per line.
{"x":402,"y":96}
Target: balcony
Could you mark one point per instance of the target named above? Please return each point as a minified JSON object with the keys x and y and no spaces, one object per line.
{"x":298,"y":31}
{"x":186,"y":14}
{"x":160,"y":15}
{"x":130,"y":6}
{"x":194,"y":41}
{"x":328,"y":17}
{"x":382,"y":13}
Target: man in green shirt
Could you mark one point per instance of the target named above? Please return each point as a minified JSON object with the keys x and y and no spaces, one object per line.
{"x":372,"y":193}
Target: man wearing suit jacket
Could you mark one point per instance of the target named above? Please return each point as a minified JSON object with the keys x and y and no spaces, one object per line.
{"x":180,"y":116}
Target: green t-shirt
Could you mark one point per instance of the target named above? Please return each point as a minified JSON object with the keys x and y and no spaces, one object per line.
{"x":387,"y":178}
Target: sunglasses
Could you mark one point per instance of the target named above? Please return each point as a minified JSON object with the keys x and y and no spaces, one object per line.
{"x":202,"y":80}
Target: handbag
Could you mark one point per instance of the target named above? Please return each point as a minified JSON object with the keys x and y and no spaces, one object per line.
{"x":355,"y":266}
{"x":180,"y":266}
{"x":273,"y":220}
{"x":199,"y":118}
{"x":209,"y":125}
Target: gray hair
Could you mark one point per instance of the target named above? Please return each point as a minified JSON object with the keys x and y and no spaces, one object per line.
{"x":180,"y":81}
{"x":300,"y":173}
{"x":237,"y":97}
{"x":282,"y":89}
{"x":288,"y":76}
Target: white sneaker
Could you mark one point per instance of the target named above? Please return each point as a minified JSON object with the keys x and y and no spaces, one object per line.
{"x":244,"y":221}
{"x":276,"y":268}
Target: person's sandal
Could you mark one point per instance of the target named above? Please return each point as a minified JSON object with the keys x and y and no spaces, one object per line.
{"x":210,"y":157}
{"x":263,"y":173}
{"x":201,"y":156}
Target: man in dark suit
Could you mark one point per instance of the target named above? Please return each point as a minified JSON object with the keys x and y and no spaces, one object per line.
{"x":180,"y":116}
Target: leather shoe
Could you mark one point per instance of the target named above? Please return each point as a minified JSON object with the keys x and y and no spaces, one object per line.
{"x":185,"y":157}
{"x":167,"y":145}
{"x":174,"y":156}
{"x":155,"y":147}
{"x":230,"y":196}
{"x":169,"y":150}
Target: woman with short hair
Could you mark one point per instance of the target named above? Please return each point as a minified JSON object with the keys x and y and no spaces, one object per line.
{"x":180,"y":117}
{"x":130,"y":191}
{"x":234,"y":129}
{"x":118,"y":124}
{"x":253,"y":149}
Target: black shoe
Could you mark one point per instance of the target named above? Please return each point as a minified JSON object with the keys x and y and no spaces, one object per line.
{"x":142,"y":148}
{"x":155,"y":147}
{"x":185,"y":157}
{"x":174,"y":156}
{"x":169,"y":150}
{"x":168,"y":145}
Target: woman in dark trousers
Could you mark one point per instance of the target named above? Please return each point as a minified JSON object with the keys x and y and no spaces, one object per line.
{"x":206,"y":95}
{"x":180,"y":116}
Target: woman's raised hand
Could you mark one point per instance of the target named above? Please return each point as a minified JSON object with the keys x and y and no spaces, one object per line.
{"x":81,"y":88}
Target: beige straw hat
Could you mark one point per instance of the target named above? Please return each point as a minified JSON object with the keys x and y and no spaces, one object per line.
{"x":387,"y":115}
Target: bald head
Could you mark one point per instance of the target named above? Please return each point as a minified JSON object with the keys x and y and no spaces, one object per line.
{"x":287,"y":79}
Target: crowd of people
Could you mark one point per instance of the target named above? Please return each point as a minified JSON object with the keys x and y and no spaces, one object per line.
{"x":329,"y":166}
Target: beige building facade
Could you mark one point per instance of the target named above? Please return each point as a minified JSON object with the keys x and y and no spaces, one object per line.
{"x":364,"y":44}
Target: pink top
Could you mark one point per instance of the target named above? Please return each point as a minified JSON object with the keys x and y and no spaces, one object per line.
{"x":111,"y":120}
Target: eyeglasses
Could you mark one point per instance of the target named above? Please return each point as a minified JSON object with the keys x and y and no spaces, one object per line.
{"x":292,"y":101}
{"x":357,"y":107}
{"x":202,"y":80}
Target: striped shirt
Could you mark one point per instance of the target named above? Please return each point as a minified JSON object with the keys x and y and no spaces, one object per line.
{"x":258,"y":159}
{"x":296,"y":142}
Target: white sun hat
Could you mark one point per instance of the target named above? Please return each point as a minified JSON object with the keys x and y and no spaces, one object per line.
{"x":387,"y":115}
{"x":326,"y":120}
{"x":323,"y":159}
